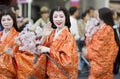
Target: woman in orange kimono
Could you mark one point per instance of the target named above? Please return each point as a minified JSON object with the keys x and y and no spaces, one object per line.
{"x":14,"y":64}
{"x":103,"y":47}
{"x":61,"y":47}
{"x":7,"y":42}
{"x":24,"y":61}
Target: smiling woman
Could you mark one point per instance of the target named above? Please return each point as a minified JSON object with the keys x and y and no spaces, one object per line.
{"x":59,"y":19}
{"x":7,"y":22}
{"x":62,"y":60}
{"x":7,"y":41}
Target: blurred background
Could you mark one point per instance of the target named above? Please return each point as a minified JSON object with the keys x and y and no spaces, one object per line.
{"x":31,"y":8}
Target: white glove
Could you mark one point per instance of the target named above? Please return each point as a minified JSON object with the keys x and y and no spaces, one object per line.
{"x":43,"y":49}
{"x":84,"y":50}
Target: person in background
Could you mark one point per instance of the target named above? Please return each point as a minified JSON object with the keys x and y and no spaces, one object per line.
{"x":74,"y":29}
{"x":61,"y":47}
{"x":21,"y":21}
{"x":7,"y":44}
{"x":116,"y":25}
{"x":103,"y":47}
{"x":44,"y":19}
{"x":43,"y":22}
{"x":90,"y":12}
{"x":119,"y":20}
{"x":74,"y":24}
{"x":115,"y":17}
{"x":118,"y":13}
{"x":81,"y":26}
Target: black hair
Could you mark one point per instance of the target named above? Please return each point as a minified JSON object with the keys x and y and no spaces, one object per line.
{"x":83,"y":14}
{"x":7,"y":11}
{"x":72,"y":10}
{"x":2,"y":7}
{"x":15,"y":7}
{"x":89,"y":9}
{"x":106,"y":15}
{"x":66,"y":13}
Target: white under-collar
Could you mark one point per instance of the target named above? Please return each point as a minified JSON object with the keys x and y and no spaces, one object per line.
{"x":57,"y":32}
{"x":102,"y":25}
{"x":3,"y":35}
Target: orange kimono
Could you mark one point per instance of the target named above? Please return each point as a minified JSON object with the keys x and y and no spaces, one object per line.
{"x":24,"y":63}
{"x":64,"y":51}
{"x":102,"y":52}
{"x":39,"y":69}
{"x":7,"y":64}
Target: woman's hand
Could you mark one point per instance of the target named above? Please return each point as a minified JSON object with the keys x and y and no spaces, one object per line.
{"x":43,"y":49}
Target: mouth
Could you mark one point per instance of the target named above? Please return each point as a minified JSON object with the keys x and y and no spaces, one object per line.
{"x":6,"y":25}
{"x":58,"y":23}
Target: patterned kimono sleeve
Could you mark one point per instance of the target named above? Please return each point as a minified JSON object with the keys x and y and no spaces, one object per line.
{"x":64,"y":54}
{"x":11,"y":44}
{"x":99,"y":42}
{"x":7,"y":63}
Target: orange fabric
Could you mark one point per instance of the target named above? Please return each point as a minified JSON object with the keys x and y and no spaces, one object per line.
{"x":63,"y":50}
{"x":7,"y":68}
{"x":102,"y":52}
{"x":24,"y":62}
{"x":39,"y":69}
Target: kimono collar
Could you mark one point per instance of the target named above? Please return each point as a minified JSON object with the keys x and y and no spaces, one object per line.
{"x":10,"y":35}
{"x":57,"y":32}
{"x":61,"y":35}
{"x":102,"y":25}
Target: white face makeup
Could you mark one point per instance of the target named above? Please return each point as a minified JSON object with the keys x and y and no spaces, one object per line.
{"x":59,"y":19}
{"x":7,"y":22}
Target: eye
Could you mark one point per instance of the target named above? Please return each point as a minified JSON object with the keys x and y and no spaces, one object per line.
{"x":55,"y":16}
{"x":3,"y":19}
{"x":61,"y":16}
{"x":8,"y":19}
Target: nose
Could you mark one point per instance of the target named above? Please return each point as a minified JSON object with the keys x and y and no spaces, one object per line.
{"x":6,"y":21}
{"x":58,"y":18}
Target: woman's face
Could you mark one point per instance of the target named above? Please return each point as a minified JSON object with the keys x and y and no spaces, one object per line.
{"x":59,"y":19}
{"x":45,"y":15}
{"x":87,"y":17}
{"x":7,"y":21}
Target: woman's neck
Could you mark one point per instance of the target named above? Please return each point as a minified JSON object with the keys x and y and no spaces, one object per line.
{"x":6,"y":30}
{"x":59,"y":29}
{"x":102,"y":24}
{"x":45,"y":19}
